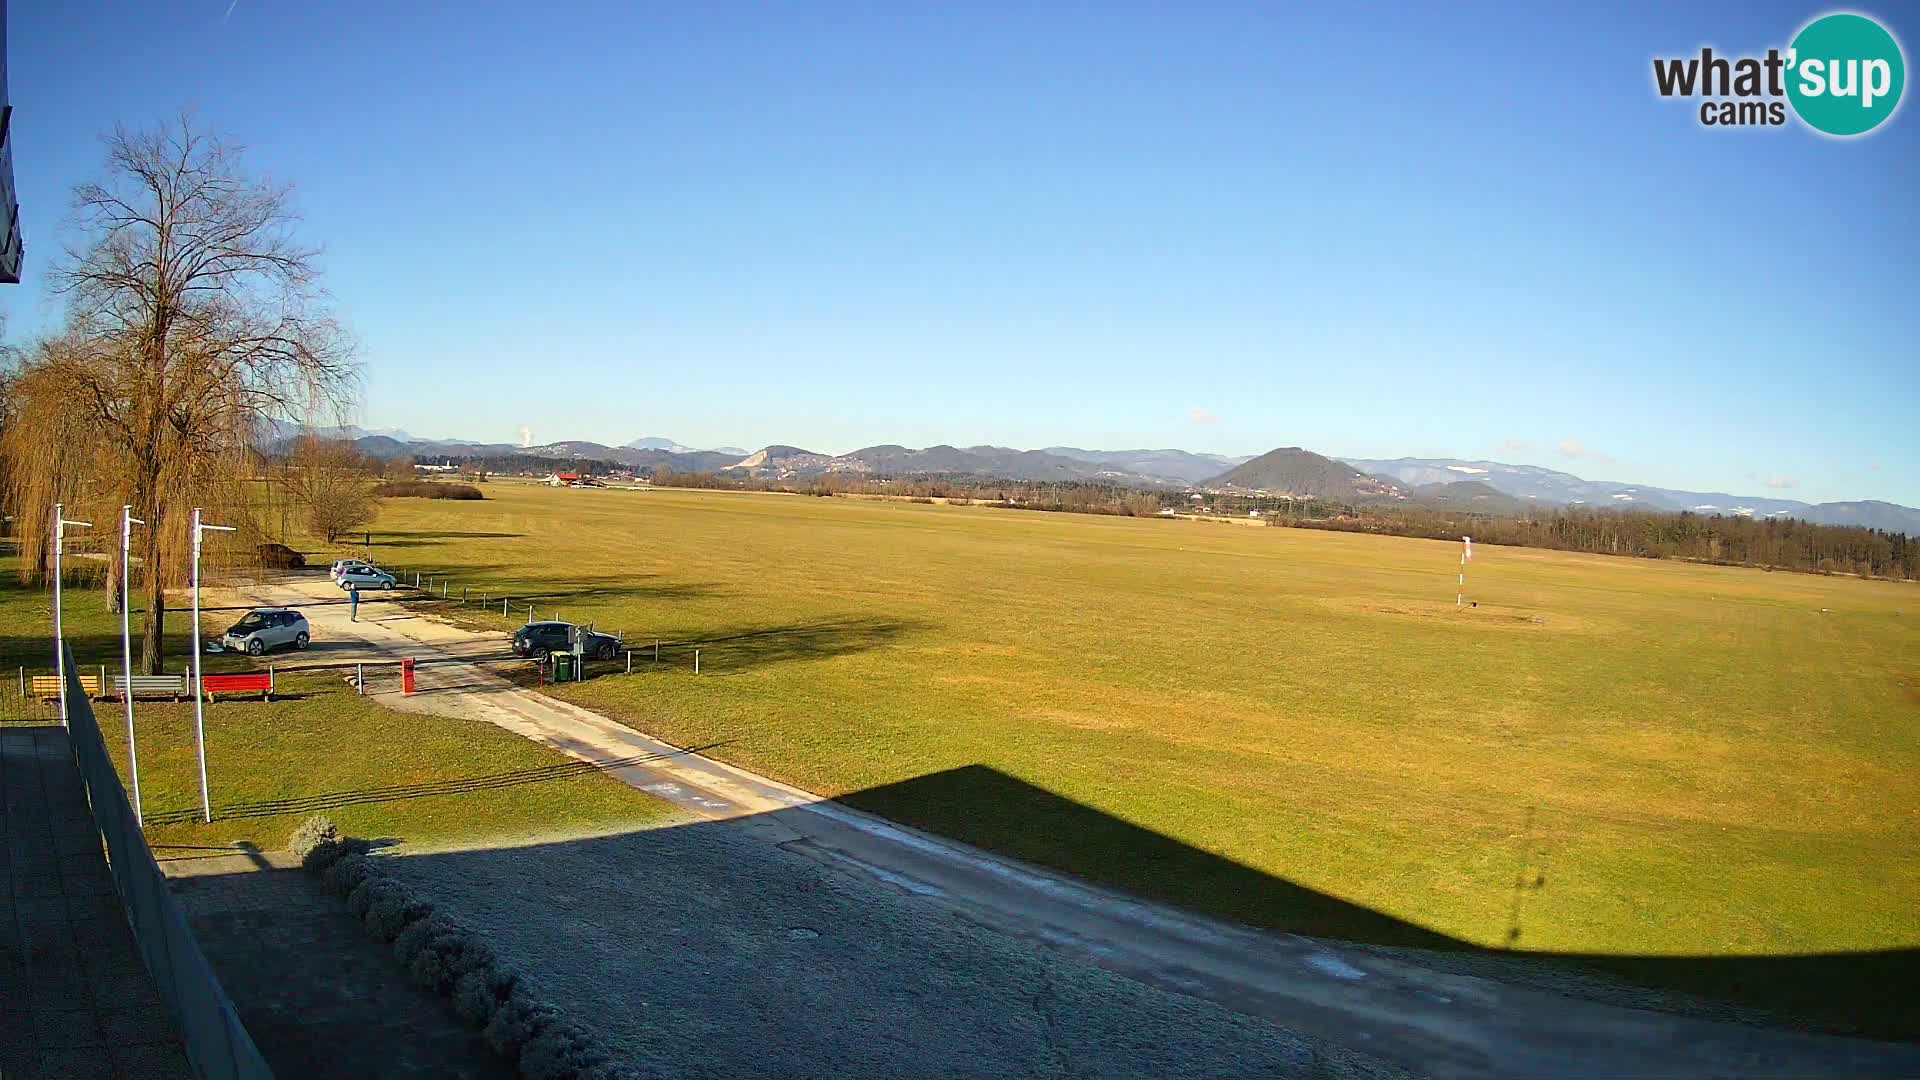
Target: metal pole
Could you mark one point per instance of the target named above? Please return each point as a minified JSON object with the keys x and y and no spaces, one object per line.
{"x":629,"y":661}
{"x":696,"y":661}
{"x":60,"y":524}
{"x":59,"y":648}
{"x":127,"y":521}
{"x":199,"y":677}
{"x":656,"y":650}
{"x":529,"y":614}
{"x":360,"y":678}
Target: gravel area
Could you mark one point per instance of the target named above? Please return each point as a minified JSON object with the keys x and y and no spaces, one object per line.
{"x":697,"y":949}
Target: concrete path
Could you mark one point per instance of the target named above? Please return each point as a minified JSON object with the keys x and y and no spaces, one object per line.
{"x":1412,"y":1016}
{"x":75,"y":997}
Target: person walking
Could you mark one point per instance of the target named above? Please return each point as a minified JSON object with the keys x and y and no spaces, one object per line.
{"x":353,"y":603}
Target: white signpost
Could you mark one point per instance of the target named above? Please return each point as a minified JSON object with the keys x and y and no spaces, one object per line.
{"x":60,"y":524}
{"x":199,"y":681}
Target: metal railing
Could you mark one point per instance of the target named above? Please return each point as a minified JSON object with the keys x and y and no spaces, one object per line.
{"x":217,"y":1044}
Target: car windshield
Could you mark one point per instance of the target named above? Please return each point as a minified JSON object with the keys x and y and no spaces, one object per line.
{"x":248,"y":625}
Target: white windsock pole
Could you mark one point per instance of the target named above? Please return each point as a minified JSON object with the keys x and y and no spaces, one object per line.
{"x":1466,"y":556}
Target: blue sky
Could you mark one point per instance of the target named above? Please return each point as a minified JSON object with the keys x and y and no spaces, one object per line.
{"x":1369,"y":230}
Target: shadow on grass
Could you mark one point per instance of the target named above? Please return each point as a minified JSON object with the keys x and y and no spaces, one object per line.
{"x":333,"y":800}
{"x":1867,"y":993}
{"x":736,"y":650}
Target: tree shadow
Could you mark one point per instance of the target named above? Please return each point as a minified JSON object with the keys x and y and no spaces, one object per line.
{"x":1866,"y":993}
{"x":744,"y":928}
{"x":436,"y":539}
{"x":736,"y":650}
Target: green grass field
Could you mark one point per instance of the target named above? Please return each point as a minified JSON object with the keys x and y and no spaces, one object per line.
{"x":1675,"y":759}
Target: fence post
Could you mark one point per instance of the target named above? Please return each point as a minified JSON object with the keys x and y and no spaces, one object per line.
{"x":416,"y":579}
{"x":503,"y":607}
{"x":529,"y":614}
{"x":360,"y":679}
{"x":103,"y":680}
{"x":463,"y":596}
{"x":696,"y":661}
{"x":446,"y":587}
{"x":23,"y":682}
{"x":656,"y":650}
{"x":629,"y":661}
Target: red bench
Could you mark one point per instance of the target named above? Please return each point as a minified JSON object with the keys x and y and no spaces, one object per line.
{"x":238,"y":684}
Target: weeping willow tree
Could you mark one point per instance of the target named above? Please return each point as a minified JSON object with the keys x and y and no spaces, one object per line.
{"x":194,"y":324}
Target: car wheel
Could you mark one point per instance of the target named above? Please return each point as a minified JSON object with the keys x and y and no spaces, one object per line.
{"x":607,"y":650}
{"x":301,"y":641}
{"x":256,"y":647}
{"x":545,"y":656}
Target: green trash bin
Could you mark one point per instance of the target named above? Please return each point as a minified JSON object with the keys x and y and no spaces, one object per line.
{"x":563,"y":667}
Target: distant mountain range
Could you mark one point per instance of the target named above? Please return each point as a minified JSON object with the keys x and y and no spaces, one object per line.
{"x":1535,"y":484}
{"x":1480,"y":486}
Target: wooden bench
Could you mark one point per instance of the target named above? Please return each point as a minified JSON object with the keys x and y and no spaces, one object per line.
{"x":261,"y":683}
{"x":48,"y":686}
{"x":171,"y":686}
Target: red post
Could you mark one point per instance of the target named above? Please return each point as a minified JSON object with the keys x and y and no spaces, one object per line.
{"x":406,"y":675}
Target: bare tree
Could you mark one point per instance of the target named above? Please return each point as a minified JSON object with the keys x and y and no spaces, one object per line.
{"x":193,"y":321}
{"x":334,"y":482}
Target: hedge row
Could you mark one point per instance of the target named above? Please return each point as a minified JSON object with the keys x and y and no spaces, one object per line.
{"x":441,"y":955}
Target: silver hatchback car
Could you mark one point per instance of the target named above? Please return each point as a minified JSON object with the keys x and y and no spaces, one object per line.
{"x":267,"y":628}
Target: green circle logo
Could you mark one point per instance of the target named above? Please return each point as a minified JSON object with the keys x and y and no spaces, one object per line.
{"x":1845,"y":74}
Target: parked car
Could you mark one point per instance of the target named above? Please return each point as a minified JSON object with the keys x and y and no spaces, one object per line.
{"x":267,"y":628}
{"x":365,"y":577}
{"x":280,"y":557}
{"x":345,"y":565}
{"x":542,"y":639}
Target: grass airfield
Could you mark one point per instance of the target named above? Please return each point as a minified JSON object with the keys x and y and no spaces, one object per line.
{"x":1607,"y":756}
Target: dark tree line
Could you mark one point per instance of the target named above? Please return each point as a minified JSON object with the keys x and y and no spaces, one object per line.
{"x":1778,"y":543}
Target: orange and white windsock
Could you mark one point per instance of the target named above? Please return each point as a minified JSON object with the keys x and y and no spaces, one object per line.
{"x":1466,"y":556}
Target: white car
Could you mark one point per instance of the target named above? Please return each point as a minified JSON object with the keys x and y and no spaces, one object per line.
{"x":365,"y":577}
{"x":345,"y":565}
{"x":267,"y":628}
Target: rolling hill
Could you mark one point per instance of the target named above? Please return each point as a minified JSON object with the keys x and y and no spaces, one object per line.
{"x":1307,"y":475}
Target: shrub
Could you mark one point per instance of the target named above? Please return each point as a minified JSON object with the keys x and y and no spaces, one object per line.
{"x":414,"y":939}
{"x":315,"y":843}
{"x":478,"y":993}
{"x":394,"y":909}
{"x":347,"y":871}
{"x":427,"y":489}
{"x":560,"y":1050}
{"x":515,"y":1023}
{"x":440,"y":954}
{"x":360,"y":896}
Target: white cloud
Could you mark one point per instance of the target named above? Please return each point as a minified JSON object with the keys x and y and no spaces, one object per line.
{"x":1203,"y":417}
{"x":1778,"y":483}
{"x":1574,"y":448}
{"x":1468,"y":469}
